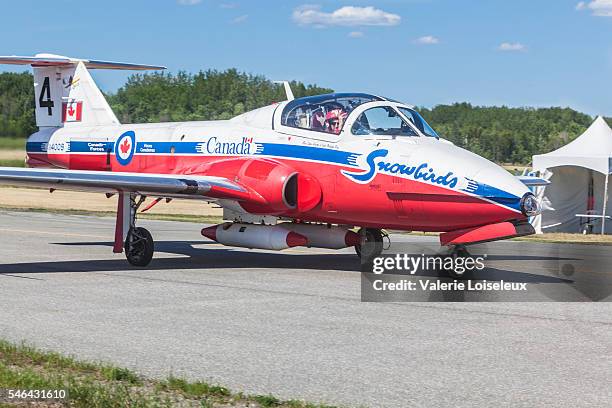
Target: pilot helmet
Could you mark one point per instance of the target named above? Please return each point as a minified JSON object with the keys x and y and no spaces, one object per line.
{"x":334,"y":120}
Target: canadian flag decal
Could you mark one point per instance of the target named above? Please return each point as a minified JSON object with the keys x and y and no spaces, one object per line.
{"x":72,"y":111}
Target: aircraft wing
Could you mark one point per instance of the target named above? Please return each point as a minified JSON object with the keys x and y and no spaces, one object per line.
{"x":165,"y":185}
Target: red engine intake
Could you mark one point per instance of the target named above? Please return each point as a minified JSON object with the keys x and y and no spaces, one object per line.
{"x":284,"y":189}
{"x":281,"y":188}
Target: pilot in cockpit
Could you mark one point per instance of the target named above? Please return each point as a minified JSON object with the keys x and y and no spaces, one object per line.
{"x":318,"y":120}
{"x":334,"y":120}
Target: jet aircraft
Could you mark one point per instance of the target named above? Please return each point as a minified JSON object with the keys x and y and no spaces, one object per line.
{"x":325,"y":171}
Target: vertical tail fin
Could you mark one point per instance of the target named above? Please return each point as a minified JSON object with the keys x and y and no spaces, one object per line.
{"x":67,"y":96}
{"x":65,"y":92}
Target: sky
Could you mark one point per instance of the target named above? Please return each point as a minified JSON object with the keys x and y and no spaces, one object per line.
{"x":423,"y":52}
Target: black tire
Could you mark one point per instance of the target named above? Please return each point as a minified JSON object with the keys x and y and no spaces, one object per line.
{"x":372,"y":247}
{"x":459,"y":251}
{"x":139,"y":247}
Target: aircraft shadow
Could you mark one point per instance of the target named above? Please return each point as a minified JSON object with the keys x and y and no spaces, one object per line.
{"x":528,"y":258}
{"x":225,"y":258}
{"x":548,"y":254}
{"x":494,"y":274}
{"x":193,"y":258}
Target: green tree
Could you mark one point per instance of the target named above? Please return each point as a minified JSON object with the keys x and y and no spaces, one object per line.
{"x":506,"y":135}
{"x":16,"y":105}
{"x":207,"y":95}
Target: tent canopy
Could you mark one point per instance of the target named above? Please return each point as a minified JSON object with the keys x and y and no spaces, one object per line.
{"x":576,"y":191}
{"x":591,"y":150}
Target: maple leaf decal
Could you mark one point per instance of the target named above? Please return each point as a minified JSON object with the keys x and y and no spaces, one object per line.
{"x":125,"y":146}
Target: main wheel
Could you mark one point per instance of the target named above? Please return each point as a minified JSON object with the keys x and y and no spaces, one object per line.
{"x":372,"y":247}
{"x":139,"y":247}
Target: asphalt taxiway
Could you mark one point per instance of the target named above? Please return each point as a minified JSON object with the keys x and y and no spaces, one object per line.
{"x":292,"y":323}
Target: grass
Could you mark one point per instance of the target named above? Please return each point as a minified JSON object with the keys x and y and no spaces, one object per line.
{"x":102,"y":385}
{"x":202,"y":219}
{"x":12,"y":163}
{"x":565,"y":238}
{"x":12,"y":143}
{"x":515,"y":169}
{"x":551,"y":238}
{"x":10,"y":146}
{"x":196,"y":389}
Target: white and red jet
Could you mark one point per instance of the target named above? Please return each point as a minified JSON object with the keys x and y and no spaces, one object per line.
{"x":303,"y":172}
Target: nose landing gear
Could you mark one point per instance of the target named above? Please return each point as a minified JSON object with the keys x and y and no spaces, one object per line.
{"x":458,"y":251}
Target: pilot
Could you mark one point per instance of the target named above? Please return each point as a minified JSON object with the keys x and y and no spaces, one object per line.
{"x":318,"y":121}
{"x":334,"y":120}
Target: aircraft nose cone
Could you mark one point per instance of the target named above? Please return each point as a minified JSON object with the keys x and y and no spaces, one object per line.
{"x":486,"y":192}
{"x":475,"y":171}
{"x":530,"y":205}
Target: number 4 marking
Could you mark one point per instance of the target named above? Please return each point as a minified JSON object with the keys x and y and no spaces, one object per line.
{"x":48,"y":103}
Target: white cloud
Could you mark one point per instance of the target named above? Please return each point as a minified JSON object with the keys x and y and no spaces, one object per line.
{"x":228,"y":5}
{"x":356,"y":34}
{"x":427,"y":40}
{"x":602,"y":8}
{"x":188,"y":2}
{"x":512,"y":47}
{"x":240,"y":19}
{"x":344,"y":16}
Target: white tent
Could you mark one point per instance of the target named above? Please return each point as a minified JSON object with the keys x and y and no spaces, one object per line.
{"x":579,"y":172}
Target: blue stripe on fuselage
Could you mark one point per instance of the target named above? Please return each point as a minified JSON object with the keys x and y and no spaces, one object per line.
{"x":36,"y":147}
{"x":268,"y":149}
{"x":91,"y":147}
{"x":310,"y":153}
{"x":497,"y":195}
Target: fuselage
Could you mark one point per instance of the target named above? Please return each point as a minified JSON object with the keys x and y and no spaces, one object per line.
{"x":380,"y":181}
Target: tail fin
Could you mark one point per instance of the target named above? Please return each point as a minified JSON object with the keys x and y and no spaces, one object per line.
{"x":67,"y":96}
{"x":65,"y":92}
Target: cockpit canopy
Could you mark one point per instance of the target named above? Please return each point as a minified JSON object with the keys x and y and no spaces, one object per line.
{"x":328,"y":114}
{"x":321,"y":112}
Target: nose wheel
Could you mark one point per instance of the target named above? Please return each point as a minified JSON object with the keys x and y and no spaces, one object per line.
{"x":371,"y":244}
{"x":458,"y":251}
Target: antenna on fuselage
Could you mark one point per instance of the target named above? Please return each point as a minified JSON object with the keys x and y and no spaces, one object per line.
{"x":288,"y":91}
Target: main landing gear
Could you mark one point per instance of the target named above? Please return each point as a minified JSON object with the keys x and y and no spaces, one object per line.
{"x":371,"y":244}
{"x":139,"y":245}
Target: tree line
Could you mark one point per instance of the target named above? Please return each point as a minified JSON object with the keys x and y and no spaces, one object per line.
{"x":17,"y":105}
{"x":507,"y":135}
{"x":207,"y":95}
{"x":502,"y":134}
